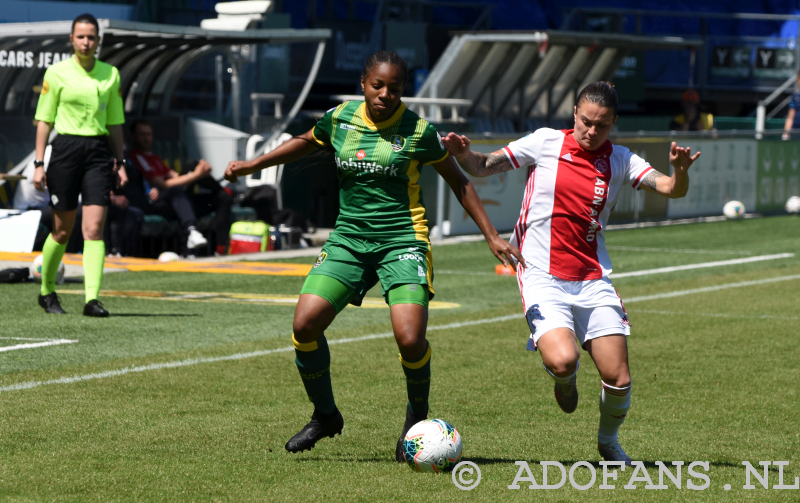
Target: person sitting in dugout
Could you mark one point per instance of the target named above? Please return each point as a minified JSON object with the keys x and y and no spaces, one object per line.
{"x":185,"y":196}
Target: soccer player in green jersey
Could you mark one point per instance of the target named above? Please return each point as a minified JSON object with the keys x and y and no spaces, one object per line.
{"x":381,"y":235}
{"x":81,"y":97}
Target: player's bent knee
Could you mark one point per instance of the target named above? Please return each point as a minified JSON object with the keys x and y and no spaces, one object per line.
{"x":306,"y":330}
{"x":95,"y":234}
{"x":60,"y":237}
{"x":561,"y":358}
{"x":309,"y":326}
{"x":620,"y":378}
{"x":562,"y":367}
{"x":412,"y":345}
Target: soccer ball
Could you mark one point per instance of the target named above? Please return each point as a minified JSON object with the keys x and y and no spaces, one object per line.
{"x":168,"y":256}
{"x":793,"y":205}
{"x":733,"y":210}
{"x":36,"y":270}
{"x":432,"y":445}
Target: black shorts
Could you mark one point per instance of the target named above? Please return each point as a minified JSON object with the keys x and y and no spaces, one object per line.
{"x":80,"y":165}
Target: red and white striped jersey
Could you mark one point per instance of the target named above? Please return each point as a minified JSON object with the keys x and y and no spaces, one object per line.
{"x":569,"y":195}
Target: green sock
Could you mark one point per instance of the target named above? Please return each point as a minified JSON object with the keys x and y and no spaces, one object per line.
{"x":313,"y":360}
{"x":418,"y":383}
{"x":94,"y":257}
{"x":52,"y":253}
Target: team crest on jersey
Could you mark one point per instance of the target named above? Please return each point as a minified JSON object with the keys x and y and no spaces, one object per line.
{"x":601,"y":166}
{"x":320,"y":259}
{"x":361,"y":154}
{"x":398,"y":142}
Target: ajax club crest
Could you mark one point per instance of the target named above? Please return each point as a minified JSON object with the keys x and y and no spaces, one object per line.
{"x":398,"y":142}
{"x":601,"y":166}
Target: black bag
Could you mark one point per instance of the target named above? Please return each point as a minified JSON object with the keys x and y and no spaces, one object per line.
{"x":264,"y":199}
{"x":17,"y":275}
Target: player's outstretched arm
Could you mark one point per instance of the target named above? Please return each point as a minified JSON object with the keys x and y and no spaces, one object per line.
{"x":289,"y":151}
{"x":475,"y":163}
{"x":677,"y":185}
{"x":465,"y":192}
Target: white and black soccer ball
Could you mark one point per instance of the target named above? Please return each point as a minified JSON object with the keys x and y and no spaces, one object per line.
{"x":733,"y":210}
{"x":432,"y":445}
{"x":36,"y":270}
{"x":793,"y":205}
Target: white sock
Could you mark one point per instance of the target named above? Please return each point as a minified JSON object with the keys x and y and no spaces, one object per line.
{"x":562,"y":380}
{"x":614,"y":405}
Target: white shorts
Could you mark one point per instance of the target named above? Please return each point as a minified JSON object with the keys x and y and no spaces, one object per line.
{"x":590,"y":308}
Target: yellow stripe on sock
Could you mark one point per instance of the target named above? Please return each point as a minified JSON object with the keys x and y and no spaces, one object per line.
{"x":304,"y":346}
{"x":419,"y":364}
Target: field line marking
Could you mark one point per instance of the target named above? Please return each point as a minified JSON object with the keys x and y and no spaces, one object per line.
{"x":716,"y":315}
{"x":715,"y":288}
{"x":646,"y":272}
{"x":687,"y":267}
{"x":24,"y":339}
{"x":237,"y":356}
{"x":679,"y":250}
{"x":54,"y":342}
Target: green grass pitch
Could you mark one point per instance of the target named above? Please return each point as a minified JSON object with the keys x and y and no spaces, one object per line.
{"x":716,"y":377}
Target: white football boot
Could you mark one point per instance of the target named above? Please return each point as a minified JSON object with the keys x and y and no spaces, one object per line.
{"x":195,"y":240}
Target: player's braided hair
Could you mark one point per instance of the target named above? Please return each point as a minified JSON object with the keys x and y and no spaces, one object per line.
{"x":86,"y":18}
{"x":599,"y":93}
{"x":389,"y":57}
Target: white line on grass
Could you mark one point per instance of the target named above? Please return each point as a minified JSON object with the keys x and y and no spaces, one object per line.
{"x":252,"y":354}
{"x":715,"y":288}
{"x":237,"y":356}
{"x":24,"y":339}
{"x":54,"y":342}
{"x":716,"y":315}
{"x":687,"y":267}
{"x":646,"y":272}
{"x":679,"y":250}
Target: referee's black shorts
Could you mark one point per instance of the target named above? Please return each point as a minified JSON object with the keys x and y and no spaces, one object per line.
{"x":80,"y":165}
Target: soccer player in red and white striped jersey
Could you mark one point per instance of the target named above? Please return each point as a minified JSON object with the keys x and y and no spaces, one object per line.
{"x":574,"y":179}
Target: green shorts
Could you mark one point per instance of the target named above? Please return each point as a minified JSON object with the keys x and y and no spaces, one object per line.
{"x":359,"y":265}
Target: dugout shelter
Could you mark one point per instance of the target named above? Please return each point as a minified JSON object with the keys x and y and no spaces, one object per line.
{"x":151,"y":59}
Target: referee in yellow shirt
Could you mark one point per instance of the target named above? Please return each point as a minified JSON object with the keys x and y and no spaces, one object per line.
{"x":82,"y":97}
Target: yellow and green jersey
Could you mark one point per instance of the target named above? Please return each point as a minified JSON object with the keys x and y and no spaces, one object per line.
{"x":379,"y":166}
{"x":79,"y":102}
